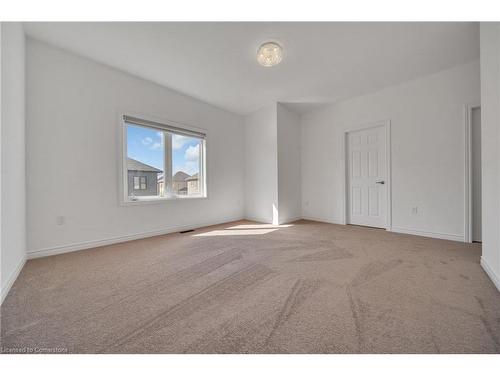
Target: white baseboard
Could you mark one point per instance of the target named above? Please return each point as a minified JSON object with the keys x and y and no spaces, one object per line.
{"x":396,"y":229}
{"x":256,"y":219}
{"x":489,"y":271}
{"x":292,"y":219}
{"x":114,"y":240}
{"x":442,"y":236}
{"x":323,"y":220}
{"x":12,"y":277}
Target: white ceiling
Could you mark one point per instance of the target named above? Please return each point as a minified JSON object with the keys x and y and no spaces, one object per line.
{"x":215,"y":62}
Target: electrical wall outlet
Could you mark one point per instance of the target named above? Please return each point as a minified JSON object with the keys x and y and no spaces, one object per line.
{"x":414,"y":210}
{"x":60,"y":220}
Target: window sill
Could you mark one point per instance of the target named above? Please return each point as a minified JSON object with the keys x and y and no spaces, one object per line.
{"x":159,"y":200}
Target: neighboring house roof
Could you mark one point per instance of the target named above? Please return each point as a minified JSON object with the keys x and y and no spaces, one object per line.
{"x":192,"y":178}
{"x":136,"y":165}
{"x":180,"y":176}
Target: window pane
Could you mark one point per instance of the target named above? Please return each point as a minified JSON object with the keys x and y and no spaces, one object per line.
{"x":186,"y":165}
{"x":145,"y":161}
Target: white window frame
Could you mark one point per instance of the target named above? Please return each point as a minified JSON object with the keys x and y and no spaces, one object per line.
{"x":168,"y":127}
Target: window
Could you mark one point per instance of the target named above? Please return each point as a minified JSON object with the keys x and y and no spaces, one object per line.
{"x":140,"y":183}
{"x":162,"y":161}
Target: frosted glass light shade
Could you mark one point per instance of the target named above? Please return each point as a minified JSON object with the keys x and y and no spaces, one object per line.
{"x":269,"y":54}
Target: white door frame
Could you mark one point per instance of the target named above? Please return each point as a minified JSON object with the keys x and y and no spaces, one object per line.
{"x":468,"y":170}
{"x":386,"y":124}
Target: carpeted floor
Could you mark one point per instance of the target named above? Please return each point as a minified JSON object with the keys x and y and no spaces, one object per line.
{"x":249,"y":288}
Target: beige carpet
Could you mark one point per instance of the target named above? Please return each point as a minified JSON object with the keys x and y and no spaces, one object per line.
{"x":247,"y":288}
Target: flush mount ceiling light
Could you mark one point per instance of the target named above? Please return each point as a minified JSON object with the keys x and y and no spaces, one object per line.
{"x":269,"y":54}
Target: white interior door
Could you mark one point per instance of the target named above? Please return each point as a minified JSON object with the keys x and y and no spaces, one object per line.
{"x":476,"y":174}
{"x":367,"y":177}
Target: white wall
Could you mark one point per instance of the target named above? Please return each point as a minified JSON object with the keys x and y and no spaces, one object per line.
{"x":490,"y":154}
{"x":261,"y":166}
{"x":13,"y":183}
{"x":73,"y":105}
{"x":289,"y":182}
{"x":427,"y":121}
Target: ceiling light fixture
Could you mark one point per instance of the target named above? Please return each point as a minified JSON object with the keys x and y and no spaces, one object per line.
{"x":269,"y":54}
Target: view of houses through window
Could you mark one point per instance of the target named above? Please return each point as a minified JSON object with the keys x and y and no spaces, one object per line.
{"x":162,"y":164}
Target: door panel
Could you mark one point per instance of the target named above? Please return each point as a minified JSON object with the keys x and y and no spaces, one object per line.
{"x":356,"y":164}
{"x":367,"y":185}
{"x":373,"y":200}
{"x":373,"y":163}
{"x":356,"y":200}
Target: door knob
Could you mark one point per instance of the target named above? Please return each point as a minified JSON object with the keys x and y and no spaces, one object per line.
{"x":380,"y":182}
